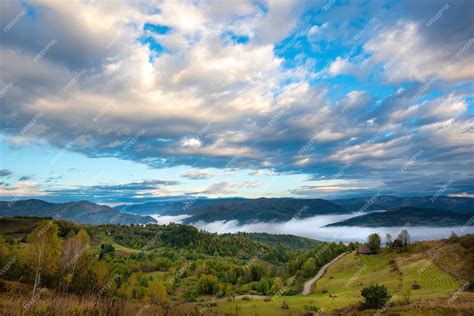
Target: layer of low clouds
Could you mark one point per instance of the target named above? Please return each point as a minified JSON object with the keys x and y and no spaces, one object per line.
{"x":92,"y":78}
{"x":313,"y":227}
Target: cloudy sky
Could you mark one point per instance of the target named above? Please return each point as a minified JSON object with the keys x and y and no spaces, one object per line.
{"x":116,"y":101}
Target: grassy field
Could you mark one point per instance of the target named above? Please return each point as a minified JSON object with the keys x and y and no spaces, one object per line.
{"x":344,"y":279}
{"x":118,"y":248}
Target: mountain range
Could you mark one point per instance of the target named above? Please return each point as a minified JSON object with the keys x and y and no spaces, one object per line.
{"x":387,"y":202}
{"x":81,"y":212}
{"x":263,"y":210}
{"x":408,"y":216}
{"x":442,"y":211}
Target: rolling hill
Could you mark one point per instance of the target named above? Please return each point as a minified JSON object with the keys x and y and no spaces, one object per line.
{"x":386,"y":202}
{"x":403,"y":215}
{"x":170,"y":207}
{"x":263,"y":210}
{"x":81,"y":212}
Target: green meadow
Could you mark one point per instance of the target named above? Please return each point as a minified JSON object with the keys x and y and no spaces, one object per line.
{"x":343,"y":281}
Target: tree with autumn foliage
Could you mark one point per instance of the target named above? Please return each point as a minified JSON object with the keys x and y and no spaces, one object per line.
{"x":156,"y":292}
{"x":42,"y":252}
{"x":74,"y":258}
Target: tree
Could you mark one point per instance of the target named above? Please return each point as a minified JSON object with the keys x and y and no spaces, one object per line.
{"x":74,"y":257}
{"x":404,"y":238}
{"x":207,"y":284}
{"x":374,"y":242}
{"x":106,"y":249}
{"x":375,"y":295}
{"x":388,"y":240}
{"x":156,"y":292}
{"x":309,"y":268}
{"x":229,"y":290}
{"x":43,"y":251}
{"x":277,"y":285}
{"x":256,"y":271}
{"x":102,"y":273}
{"x":453,"y":237}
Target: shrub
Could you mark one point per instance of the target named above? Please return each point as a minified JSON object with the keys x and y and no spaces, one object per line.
{"x":190,"y":295}
{"x":375,"y":295}
{"x":292,"y":292}
{"x":415,"y":285}
{"x":312,"y":308}
{"x":207,"y":284}
{"x":246,"y":298}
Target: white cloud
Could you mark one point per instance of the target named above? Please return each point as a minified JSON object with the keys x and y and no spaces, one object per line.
{"x":23,"y":188}
{"x":191,"y":143}
{"x":197,"y":174}
{"x":413,"y":58}
{"x":341,"y":66}
{"x":221,"y":188}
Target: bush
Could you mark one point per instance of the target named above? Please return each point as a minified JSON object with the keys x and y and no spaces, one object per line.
{"x":415,"y":285}
{"x":291,"y":292}
{"x":246,"y":298}
{"x":190,"y":295}
{"x":312,"y":308}
{"x":375,"y":295}
{"x":207,"y":284}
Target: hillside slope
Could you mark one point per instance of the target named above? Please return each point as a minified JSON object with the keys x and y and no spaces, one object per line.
{"x":264,"y":210}
{"x":403,"y":215}
{"x":386,"y":202}
{"x":338,"y":291}
{"x":80,"y":212}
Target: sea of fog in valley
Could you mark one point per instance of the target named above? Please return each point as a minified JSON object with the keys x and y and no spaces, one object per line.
{"x":313,"y":227}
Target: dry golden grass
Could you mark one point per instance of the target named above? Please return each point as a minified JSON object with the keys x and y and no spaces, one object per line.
{"x":72,"y":305}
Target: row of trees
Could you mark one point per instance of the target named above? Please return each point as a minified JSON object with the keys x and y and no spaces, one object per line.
{"x":402,"y":241}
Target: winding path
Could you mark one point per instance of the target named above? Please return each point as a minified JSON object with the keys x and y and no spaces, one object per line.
{"x":309,"y":284}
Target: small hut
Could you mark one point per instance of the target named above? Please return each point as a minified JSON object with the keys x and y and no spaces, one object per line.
{"x":364,"y":250}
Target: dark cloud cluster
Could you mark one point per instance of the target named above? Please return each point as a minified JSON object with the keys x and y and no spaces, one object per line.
{"x":5,"y":173}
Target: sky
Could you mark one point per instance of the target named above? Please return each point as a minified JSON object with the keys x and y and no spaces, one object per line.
{"x":134,"y":101}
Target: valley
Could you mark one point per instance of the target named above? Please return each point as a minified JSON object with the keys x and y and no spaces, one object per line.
{"x":178,"y":270}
